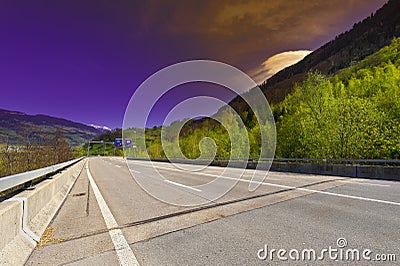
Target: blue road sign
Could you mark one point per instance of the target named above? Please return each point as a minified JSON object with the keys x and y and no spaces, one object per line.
{"x":128,"y":143}
{"x":118,"y":142}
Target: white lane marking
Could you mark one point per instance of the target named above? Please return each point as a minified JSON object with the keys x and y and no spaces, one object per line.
{"x":118,"y":166}
{"x":182,"y":185}
{"x":296,"y":188}
{"x":248,"y":171}
{"x":178,"y":170}
{"x":369,"y":184}
{"x":124,"y":251}
{"x":135,"y":171}
{"x":324,"y":192}
{"x":348,"y":181}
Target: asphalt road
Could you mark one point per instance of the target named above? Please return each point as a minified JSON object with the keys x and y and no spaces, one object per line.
{"x":108,"y":219}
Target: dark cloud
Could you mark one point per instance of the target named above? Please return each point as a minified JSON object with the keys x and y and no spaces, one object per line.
{"x":245,"y":33}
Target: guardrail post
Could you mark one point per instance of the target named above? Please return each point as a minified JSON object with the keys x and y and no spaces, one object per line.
{"x":29,"y":185}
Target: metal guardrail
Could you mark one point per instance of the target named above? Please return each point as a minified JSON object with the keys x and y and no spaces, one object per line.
{"x":11,"y":181}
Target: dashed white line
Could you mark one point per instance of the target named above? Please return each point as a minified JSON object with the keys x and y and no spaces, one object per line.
{"x":351,"y":182}
{"x":182,"y":185}
{"x":324,"y":192}
{"x":370,"y":184}
{"x":137,"y":172}
{"x":118,"y":166}
{"x":124,"y":251}
{"x":296,"y":188}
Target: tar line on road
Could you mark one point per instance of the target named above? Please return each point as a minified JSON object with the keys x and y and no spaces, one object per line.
{"x":124,"y":251}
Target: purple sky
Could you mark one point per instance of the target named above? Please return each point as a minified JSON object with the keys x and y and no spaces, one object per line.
{"x":82,"y":60}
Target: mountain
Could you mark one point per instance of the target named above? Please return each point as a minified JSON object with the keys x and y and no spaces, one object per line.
{"x":103,"y":128}
{"x":348,"y":48}
{"x":17,"y":127}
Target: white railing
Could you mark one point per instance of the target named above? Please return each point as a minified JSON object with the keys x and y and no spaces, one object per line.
{"x":12,"y":181}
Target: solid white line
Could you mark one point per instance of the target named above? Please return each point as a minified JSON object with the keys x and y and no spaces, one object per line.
{"x":296,"y":188}
{"x":124,"y":251}
{"x":182,"y":185}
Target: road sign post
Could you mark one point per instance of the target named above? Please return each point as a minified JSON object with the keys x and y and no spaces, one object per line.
{"x":128,"y":144}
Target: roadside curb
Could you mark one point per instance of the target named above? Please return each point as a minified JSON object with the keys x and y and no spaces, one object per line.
{"x":38,"y":209}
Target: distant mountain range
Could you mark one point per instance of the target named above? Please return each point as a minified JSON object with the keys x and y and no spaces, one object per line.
{"x":17,"y":128}
{"x":105,"y":128}
{"x":365,"y":38}
{"x":348,"y":48}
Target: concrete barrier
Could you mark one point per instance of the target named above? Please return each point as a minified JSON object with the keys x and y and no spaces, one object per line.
{"x":311,"y":168}
{"x":379,"y":172}
{"x":9,"y":222}
{"x":22,"y":224}
{"x":348,"y":170}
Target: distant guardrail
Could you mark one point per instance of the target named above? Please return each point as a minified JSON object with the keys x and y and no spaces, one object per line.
{"x":9,"y":182}
{"x":339,"y":161}
{"x":293,"y":160}
{"x":361,"y":168}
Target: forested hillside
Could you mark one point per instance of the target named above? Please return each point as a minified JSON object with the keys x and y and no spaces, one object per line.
{"x":352,"y":114}
{"x":348,"y":48}
{"x":17,"y":128}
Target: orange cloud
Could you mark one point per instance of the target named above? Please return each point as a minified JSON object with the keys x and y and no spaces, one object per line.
{"x":276,"y":63}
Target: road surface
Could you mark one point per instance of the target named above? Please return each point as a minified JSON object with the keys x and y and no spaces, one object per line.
{"x":107,"y":219}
